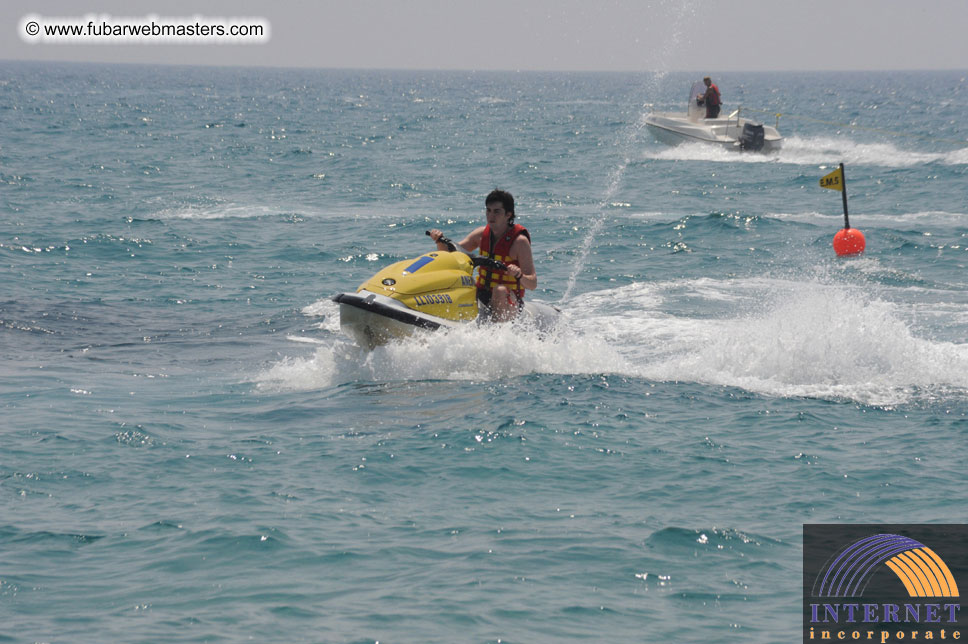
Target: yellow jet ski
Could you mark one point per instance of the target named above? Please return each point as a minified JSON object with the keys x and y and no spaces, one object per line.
{"x":436,"y":290}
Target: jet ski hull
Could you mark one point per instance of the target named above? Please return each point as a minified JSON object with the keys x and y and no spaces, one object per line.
{"x":373,"y":320}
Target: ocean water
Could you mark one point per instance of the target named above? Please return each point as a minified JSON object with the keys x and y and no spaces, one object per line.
{"x":193,"y":452}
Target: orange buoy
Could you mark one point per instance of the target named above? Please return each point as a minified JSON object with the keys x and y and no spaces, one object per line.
{"x":849,"y":241}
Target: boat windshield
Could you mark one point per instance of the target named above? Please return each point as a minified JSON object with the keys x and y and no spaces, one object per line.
{"x":696,"y":111}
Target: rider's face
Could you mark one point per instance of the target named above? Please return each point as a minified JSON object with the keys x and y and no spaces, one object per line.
{"x":496,"y":215}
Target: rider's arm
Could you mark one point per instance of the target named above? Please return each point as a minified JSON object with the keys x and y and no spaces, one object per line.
{"x":473,"y":241}
{"x":521,"y":251}
{"x":470,"y":243}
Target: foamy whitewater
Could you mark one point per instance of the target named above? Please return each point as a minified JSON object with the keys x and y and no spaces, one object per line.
{"x":193,"y":451}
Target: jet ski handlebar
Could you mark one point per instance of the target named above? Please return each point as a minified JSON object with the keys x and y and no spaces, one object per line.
{"x":451,"y":246}
{"x":477,"y":260}
{"x":488,"y":263}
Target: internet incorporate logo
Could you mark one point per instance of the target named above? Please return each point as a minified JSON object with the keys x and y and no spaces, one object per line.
{"x":885,"y":584}
{"x":919,"y":568}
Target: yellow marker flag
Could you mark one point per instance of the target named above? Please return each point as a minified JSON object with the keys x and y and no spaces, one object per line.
{"x":834,"y":180}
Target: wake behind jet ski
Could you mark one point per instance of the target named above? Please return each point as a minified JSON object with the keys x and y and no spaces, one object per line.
{"x":434,"y":291}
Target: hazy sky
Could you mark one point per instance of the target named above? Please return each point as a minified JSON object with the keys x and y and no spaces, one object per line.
{"x":621,"y":35}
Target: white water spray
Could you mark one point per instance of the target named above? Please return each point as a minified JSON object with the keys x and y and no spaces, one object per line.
{"x":680,"y":11}
{"x":614,"y":181}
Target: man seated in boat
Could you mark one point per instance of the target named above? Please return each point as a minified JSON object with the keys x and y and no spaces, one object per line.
{"x":501,"y":292}
{"x":711,"y":99}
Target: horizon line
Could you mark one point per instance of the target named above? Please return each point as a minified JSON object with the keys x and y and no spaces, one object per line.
{"x":474,"y":71}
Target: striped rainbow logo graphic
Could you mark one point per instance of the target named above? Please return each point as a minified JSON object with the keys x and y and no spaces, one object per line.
{"x":922,"y":572}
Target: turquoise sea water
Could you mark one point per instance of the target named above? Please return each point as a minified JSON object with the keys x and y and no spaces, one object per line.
{"x":192,"y":452}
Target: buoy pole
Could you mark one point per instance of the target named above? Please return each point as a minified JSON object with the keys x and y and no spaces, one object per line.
{"x":847,"y":241}
{"x":843,"y":193}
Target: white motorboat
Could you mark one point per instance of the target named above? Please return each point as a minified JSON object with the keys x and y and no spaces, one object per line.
{"x":730,"y":132}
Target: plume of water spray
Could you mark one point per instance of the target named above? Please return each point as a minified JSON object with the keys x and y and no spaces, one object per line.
{"x":614,"y":181}
{"x":679,"y":11}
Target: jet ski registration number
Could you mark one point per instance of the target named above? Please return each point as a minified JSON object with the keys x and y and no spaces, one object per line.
{"x":441,"y":298}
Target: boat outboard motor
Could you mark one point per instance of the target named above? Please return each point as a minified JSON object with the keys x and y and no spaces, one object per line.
{"x":752,"y":137}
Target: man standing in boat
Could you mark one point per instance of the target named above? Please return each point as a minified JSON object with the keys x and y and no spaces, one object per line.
{"x":500,"y":291}
{"x":711,"y":99}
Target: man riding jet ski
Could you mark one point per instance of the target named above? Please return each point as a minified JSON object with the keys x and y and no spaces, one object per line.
{"x":438,"y":289}
{"x":503,"y":240}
